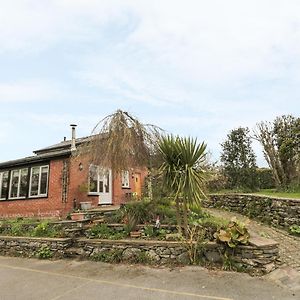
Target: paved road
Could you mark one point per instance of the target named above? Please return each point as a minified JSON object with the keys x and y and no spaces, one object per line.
{"x":68,"y":279}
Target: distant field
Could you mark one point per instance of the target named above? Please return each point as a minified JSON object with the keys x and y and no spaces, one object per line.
{"x":267,"y":192}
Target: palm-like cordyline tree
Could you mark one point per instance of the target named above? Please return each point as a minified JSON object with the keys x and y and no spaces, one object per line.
{"x":183,"y":173}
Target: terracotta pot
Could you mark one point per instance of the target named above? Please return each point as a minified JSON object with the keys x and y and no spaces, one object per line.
{"x":78,"y":216}
{"x":135,"y":234}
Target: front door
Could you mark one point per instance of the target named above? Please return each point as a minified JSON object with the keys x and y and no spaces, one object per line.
{"x":137,"y":185}
{"x":105,"y":187}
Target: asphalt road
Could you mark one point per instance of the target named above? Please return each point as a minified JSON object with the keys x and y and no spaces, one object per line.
{"x":30,"y":279}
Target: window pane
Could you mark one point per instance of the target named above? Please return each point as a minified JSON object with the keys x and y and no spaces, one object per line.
{"x":107,"y":182}
{"x":23,"y":183}
{"x":101,"y":186}
{"x":93,"y":178}
{"x":125,"y":178}
{"x":14,"y":184}
{"x":44,"y":181}
{"x":35,"y":174}
{"x":4,"y":185}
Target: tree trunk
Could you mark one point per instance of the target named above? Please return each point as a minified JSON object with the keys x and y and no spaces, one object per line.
{"x":178,"y":216}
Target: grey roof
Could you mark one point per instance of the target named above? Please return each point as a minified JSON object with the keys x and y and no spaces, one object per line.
{"x":35,"y":159}
{"x":45,"y":154}
{"x":62,"y":145}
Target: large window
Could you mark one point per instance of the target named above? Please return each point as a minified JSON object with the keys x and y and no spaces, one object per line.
{"x":99,"y":180}
{"x":125,"y":179}
{"x":3,"y":184}
{"x":18,"y":183}
{"x":39,"y":181}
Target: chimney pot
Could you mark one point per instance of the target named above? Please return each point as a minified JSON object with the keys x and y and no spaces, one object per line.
{"x":73,"y":141}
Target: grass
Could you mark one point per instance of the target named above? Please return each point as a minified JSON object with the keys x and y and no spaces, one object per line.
{"x":274,"y":193}
{"x":265,"y":192}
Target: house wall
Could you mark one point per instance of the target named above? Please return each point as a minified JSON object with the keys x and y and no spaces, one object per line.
{"x":77,"y":184}
{"x":51,"y":206}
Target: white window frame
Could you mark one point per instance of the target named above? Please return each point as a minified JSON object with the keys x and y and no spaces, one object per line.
{"x":19,"y":184}
{"x":125,"y":179}
{"x":1,"y":182}
{"x":99,"y":176}
{"x":39,"y":195}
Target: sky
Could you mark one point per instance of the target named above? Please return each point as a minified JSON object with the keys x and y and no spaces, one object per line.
{"x":195,"y":68}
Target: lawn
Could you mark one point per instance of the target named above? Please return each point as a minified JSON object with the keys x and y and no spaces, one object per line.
{"x":265,"y":192}
{"x":274,"y":193}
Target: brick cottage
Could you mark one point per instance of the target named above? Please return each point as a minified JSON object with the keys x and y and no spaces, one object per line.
{"x":54,"y":181}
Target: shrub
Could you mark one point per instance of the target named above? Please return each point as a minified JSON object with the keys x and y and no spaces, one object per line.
{"x":102,"y":231}
{"x":265,"y":178}
{"x":295,"y":229}
{"x":44,"y":252}
{"x":236,"y":233}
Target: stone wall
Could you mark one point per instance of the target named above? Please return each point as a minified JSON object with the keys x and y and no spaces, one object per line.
{"x":259,"y":257}
{"x":30,"y":247}
{"x":274,"y":211}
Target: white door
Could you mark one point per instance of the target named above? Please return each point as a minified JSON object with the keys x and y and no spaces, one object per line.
{"x":105,"y":187}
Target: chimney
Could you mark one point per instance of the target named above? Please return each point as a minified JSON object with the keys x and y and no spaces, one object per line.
{"x":73,"y":141}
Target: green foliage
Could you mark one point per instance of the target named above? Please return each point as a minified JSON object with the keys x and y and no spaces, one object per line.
{"x":30,"y":227}
{"x":149,"y":231}
{"x":182,"y":167}
{"x":217,"y":180}
{"x":183,"y":173}
{"x":141,"y":258}
{"x":265,"y":178}
{"x":239,"y":160}
{"x":236,"y":233}
{"x":102,"y":231}
{"x":295,"y":229}
{"x":144,"y":211}
{"x":44,"y":253}
{"x":281,"y":143}
{"x":44,"y":229}
{"x":112,"y":256}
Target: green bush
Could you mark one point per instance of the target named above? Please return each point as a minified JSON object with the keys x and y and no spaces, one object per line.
{"x":102,"y":231}
{"x":265,"y":178}
{"x":295,"y":229}
{"x":44,"y":252}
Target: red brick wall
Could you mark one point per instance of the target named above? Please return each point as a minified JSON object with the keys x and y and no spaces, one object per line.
{"x":51,"y":206}
{"x":79,"y":183}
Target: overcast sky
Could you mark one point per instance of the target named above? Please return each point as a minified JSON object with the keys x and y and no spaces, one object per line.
{"x":198,"y":68}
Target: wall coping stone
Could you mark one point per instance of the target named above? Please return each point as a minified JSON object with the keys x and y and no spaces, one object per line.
{"x":261,"y":242}
{"x":256,"y":195}
{"x":10,"y":238}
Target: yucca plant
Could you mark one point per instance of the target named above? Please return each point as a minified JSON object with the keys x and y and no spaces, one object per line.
{"x":183,"y":173}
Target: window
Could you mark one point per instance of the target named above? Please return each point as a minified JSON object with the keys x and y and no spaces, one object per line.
{"x":39,"y":181}
{"x":18,"y":183}
{"x":3,"y":184}
{"x":125,"y":179}
{"x":99,"y":180}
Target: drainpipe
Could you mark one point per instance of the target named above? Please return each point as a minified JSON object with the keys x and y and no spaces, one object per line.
{"x":73,"y":141}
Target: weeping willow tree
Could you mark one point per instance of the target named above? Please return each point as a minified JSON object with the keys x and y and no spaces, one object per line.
{"x":183,"y":173}
{"x":121,"y":142}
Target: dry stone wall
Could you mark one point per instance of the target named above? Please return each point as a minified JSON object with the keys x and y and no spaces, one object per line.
{"x":259,"y":257}
{"x":274,"y":211}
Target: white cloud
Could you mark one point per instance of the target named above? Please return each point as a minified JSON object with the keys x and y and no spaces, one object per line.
{"x":27,"y":91}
